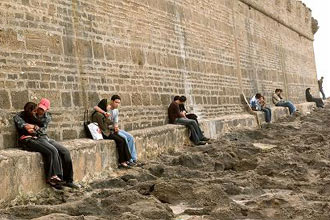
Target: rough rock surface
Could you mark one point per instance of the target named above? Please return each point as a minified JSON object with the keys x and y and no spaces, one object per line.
{"x":278,"y":172}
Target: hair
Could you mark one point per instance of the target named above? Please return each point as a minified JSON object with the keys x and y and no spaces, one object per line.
{"x":114,"y":97}
{"x":277,"y":90}
{"x":176,"y":98}
{"x":28,"y":116}
{"x":183,"y":98}
{"x":258,"y":95}
{"x":29,"y":107}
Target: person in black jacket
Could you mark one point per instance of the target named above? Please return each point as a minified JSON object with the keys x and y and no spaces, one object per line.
{"x":192,"y":116}
{"x":28,"y":127}
{"x":310,"y":98}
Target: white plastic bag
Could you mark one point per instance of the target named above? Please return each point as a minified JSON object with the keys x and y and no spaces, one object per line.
{"x":95,"y":131}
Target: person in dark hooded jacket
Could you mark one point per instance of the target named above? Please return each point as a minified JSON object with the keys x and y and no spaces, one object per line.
{"x":310,"y":98}
{"x":108,"y":132}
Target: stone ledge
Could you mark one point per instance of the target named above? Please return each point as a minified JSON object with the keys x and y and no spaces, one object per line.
{"x":21,"y":172}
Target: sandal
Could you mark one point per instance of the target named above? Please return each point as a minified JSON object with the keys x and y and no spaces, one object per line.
{"x":124,"y":166}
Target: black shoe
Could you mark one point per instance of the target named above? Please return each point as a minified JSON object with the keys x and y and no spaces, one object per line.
{"x":132,"y":164}
{"x":201,"y":143}
{"x":56,"y":185}
{"x":72,"y":185}
{"x":205,"y":139}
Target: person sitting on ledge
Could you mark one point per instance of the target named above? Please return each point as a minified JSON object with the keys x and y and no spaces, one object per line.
{"x":32,"y":126}
{"x":278,"y":101}
{"x":258,"y":103}
{"x":177,"y":117}
{"x":110,"y":132}
{"x":192,"y":116}
{"x":310,"y":98}
{"x":113,"y":115}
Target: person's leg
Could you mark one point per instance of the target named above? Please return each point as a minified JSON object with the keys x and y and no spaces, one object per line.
{"x":322,"y":92}
{"x":291,"y":107}
{"x":122,"y":149}
{"x":288,"y":104}
{"x":66,"y":160}
{"x":267,"y":114}
{"x":196,"y":138}
{"x":130,"y":143}
{"x":56,"y":159}
{"x":52,"y":165}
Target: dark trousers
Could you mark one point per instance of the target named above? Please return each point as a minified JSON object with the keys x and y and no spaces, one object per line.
{"x":196,"y":132}
{"x":322,"y":92}
{"x":51,"y":158}
{"x":268,"y":114}
{"x":65,"y":156}
{"x":122,"y":148}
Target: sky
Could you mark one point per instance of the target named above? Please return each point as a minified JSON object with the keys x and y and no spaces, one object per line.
{"x":321,"y":12}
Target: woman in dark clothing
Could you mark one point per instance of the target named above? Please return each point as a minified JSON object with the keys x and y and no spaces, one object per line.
{"x":105,"y":124}
{"x":183,"y":109}
{"x":29,"y":140}
{"x":310,"y":98}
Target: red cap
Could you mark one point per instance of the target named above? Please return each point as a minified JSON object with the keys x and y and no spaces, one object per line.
{"x":44,"y":104}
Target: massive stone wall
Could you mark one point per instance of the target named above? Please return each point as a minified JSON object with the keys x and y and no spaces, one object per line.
{"x":75,"y":52}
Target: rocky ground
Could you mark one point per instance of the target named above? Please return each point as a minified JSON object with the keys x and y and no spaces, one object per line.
{"x":281,"y":171}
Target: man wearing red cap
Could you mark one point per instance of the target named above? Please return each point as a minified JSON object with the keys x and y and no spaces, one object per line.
{"x":45,"y":117}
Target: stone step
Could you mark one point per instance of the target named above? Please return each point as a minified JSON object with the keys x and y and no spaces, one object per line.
{"x":21,"y":172}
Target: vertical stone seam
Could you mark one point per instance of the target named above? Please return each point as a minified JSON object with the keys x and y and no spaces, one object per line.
{"x":81,"y":77}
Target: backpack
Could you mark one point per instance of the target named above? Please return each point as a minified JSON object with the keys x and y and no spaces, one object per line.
{"x":86,"y":123}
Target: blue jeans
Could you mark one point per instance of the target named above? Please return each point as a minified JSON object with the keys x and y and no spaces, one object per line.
{"x":268,"y":114}
{"x":130,"y":143}
{"x":288,"y":104}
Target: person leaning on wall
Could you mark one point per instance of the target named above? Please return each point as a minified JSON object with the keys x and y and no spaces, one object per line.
{"x":32,"y":126}
{"x":182,"y":107}
{"x":113,"y":115}
{"x":258,"y":103}
{"x":177,"y":117}
{"x":279,"y":101}
{"x":309,"y":98}
{"x":320,"y":82}
{"x":110,"y":132}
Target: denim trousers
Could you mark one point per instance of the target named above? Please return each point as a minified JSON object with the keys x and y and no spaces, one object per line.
{"x":288,"y":104}
{"x":130,"y":144}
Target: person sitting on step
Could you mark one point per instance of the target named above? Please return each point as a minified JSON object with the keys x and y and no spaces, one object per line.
{"x":257,"y":103}
{"x":279,"y":101}
{"x":177,"y":117}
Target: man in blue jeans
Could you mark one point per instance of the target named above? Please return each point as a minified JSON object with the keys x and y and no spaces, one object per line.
{"x":113,"y":115}
{"x":257,"y":103}
{"x":278,"y":101}
{"x":177,"y":117}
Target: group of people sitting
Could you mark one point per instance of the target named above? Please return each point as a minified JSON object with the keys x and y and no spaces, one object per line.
{"x":32,"y":124}
{"x":258,"y":103}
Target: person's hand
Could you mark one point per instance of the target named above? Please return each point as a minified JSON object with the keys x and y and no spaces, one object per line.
{"x":116,"y":129}
{"x":29,"y":126}
{"x":31,"y":131}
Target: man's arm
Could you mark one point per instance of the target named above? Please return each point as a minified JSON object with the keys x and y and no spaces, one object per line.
{"x":21,"y":124}
{"x":44,"y":121}
{"x":19,"y":121}
{"x":98,"y":109}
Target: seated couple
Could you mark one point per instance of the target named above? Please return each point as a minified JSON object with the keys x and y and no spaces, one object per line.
{"x":106,"y":116}
{"x":32,"y":126}
{"x":258,"y":103}
{"x":178,"y":115}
